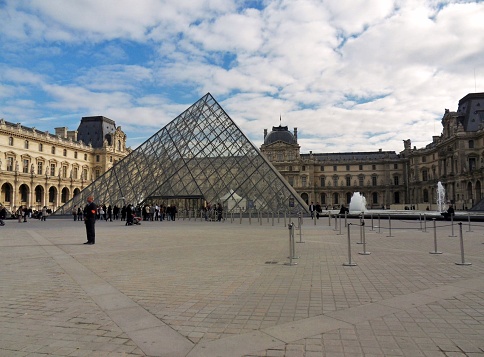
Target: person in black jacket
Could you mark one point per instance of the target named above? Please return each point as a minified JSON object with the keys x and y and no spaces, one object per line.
{"x":90,"y":212}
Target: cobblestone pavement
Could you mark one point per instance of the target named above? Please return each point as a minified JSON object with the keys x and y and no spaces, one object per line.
{"x":192,"y":288}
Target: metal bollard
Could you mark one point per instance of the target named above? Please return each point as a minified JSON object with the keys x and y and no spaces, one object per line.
{"x":420,"y":220}
{"x":260,"y":217}
{"x":462,"y":262}
{"x":346,"y":219}
{"x":189,"y":215}
{"x":336,"y":222}
{"x":240,"y":211}
{"x":435,"y":239}
{"x":329,"y":218}
{"x":390,"y":227}
{"x":300,"y":223}
{"x":469,"y":221}
{"x":361,"y":230}
{"x":452,"y":225}
{"x":273,"y":218}
{"x":371,"y":216}
{"x":292,"y":247}
{"x":364,"y":252}
{"x":379,"y":225}
{"x":285,"y":218}
{"x":340,"y":226}
{"x":425,"y":223}
{"x":278,"y":217}
{"x":350,"y":263}
{"x":250,"y":217}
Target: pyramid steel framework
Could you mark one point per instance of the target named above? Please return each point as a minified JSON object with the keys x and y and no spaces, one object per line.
{"x":201,"y":153}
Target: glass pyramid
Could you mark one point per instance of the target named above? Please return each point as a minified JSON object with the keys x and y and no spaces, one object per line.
{"x":200,"y":156}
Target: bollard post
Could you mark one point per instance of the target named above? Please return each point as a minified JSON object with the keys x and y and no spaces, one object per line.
{"x":379,"y":225}
{"x":315,"y":218}
{"x":420,"y":220}
{"x":350,"y":263}
{"x":329,"y":218}
{"x":268,"y":214}
{"x":364,"y":252}
{"x":336,"y":222}
{"x":273,"y":218}
{"x":435,"y":239}
{"x":346,"y":219}
{"x":469,"y":221}
{"x":371,"y":216}
{"x":361,"y":230}
{"x":462,"y":261}
{"x":260,"y":220}
{"x":291,"y":244}
{"x":390,"y":227}
{"x":300,"y":223}
{"x":285,"y":218}
{"x":250,"y":217}
{"x":189,"y":215}
{"x":278,"y":215}
{"x":240,"y":213}
{"x":425,"y":223}
{"x":340,"y":226}
{"x":452,"y":225}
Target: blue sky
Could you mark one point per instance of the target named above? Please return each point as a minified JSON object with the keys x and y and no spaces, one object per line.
{"x":350,"y":75}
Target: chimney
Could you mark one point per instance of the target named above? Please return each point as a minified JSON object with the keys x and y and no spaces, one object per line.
{"x":62,"y":132}
{"x":265,"y":133}
{"x":295,"y":134}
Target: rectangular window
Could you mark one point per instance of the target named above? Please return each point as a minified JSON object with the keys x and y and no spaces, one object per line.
{"x":373,"y":181}
{"x":396,"y":181}
{"x":64,"y":152}
{"x":53,"y":150}
{"x":25,"y":168}
{"x":424,"y":175}
{"x":97,"y":158}
{"x":348,"y":181}
{"x":323,"y":181}
{"x":395,"y":166}
{"x":10,"y":141}
{"x":322,"y":168}
{"x":85,"y":157}
{"x":41,"y":147}
{"x":75,"y":154}
{"x":84,"y":174}
{"x":64,"y":171}
{"x":347,"y":167}
{"x":335,"y":168}
{"x":373,"y":167}
{"x":9,"y":163}
{"x":424,"y":158}
{"x":361,"y":180}
{"x":304,"y":181}
{"x":74,"y":173}
{"x":98,"y":173}
{"x":335,"y":181}
{"x":360,"y":167}
{"x":26,"y":144}
{"x":52,"y":169}
{"x":40,"y":168}
{"x":303,"y":168}
{"x":472,"y":163}
{"x":291,"y":180}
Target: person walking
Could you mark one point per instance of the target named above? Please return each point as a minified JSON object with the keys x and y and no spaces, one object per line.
{"x":44,"y":214}
{"x":90,"y":212}
{"x":3,"y":215}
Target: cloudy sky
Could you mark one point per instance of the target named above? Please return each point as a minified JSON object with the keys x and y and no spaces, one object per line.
{"x":351,"y":75}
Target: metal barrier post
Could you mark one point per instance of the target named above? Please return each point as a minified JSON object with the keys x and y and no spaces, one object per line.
{"x":285,"y":218}
{"x":425,"y":223}
{"x":278,"y":215}
{"x":435,"y":239}
{"x":462,"y":262}
{"x":291,"y":244}
{"x":340,"y":226}
{"x":379,"y":225}
{"x":452,"y":225}
{"x":371,"y":216}
{"x":250,"y":217}
{"x":350,"y":263}
{"x":469,"y":221}
{"x":329,"y":218}
{"x":300,"y":223}
{"x":390,"y":226}
{"x":361,"y":230}
{"x":346,"y":220}
{"x":420,"y":220}
{"x":336,"y":222}
{"x":364,"y":252}
{"x":240,"y":212}
{"x":260,"y":218}
{"x":272,"y":218}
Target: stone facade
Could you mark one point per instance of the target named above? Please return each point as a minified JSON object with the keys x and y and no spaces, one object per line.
{"x":42,"y":169}
{"x":387,"y":179}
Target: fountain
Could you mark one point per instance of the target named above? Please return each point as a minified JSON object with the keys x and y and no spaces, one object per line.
{"x":357,"y":203}
{"x":440,"y":197}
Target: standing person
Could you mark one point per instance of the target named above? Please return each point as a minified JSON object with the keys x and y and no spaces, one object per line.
{"x":110,"y":214}
{"x":74,"y":212}
{"x":3,"y":215}
{"x":90,"y":212}
{"x":44,"y":213}
{"x":311,"y":209}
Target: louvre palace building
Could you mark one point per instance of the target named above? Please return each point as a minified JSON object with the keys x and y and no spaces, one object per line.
{"x":387,"y":179}
{"x":40,"y":169}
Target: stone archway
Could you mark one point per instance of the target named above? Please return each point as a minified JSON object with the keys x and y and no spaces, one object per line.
{"x":24,"y":194}
{"x":39,"y":196}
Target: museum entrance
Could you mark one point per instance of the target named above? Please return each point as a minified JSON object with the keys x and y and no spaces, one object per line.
{"x":182,"y":203}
